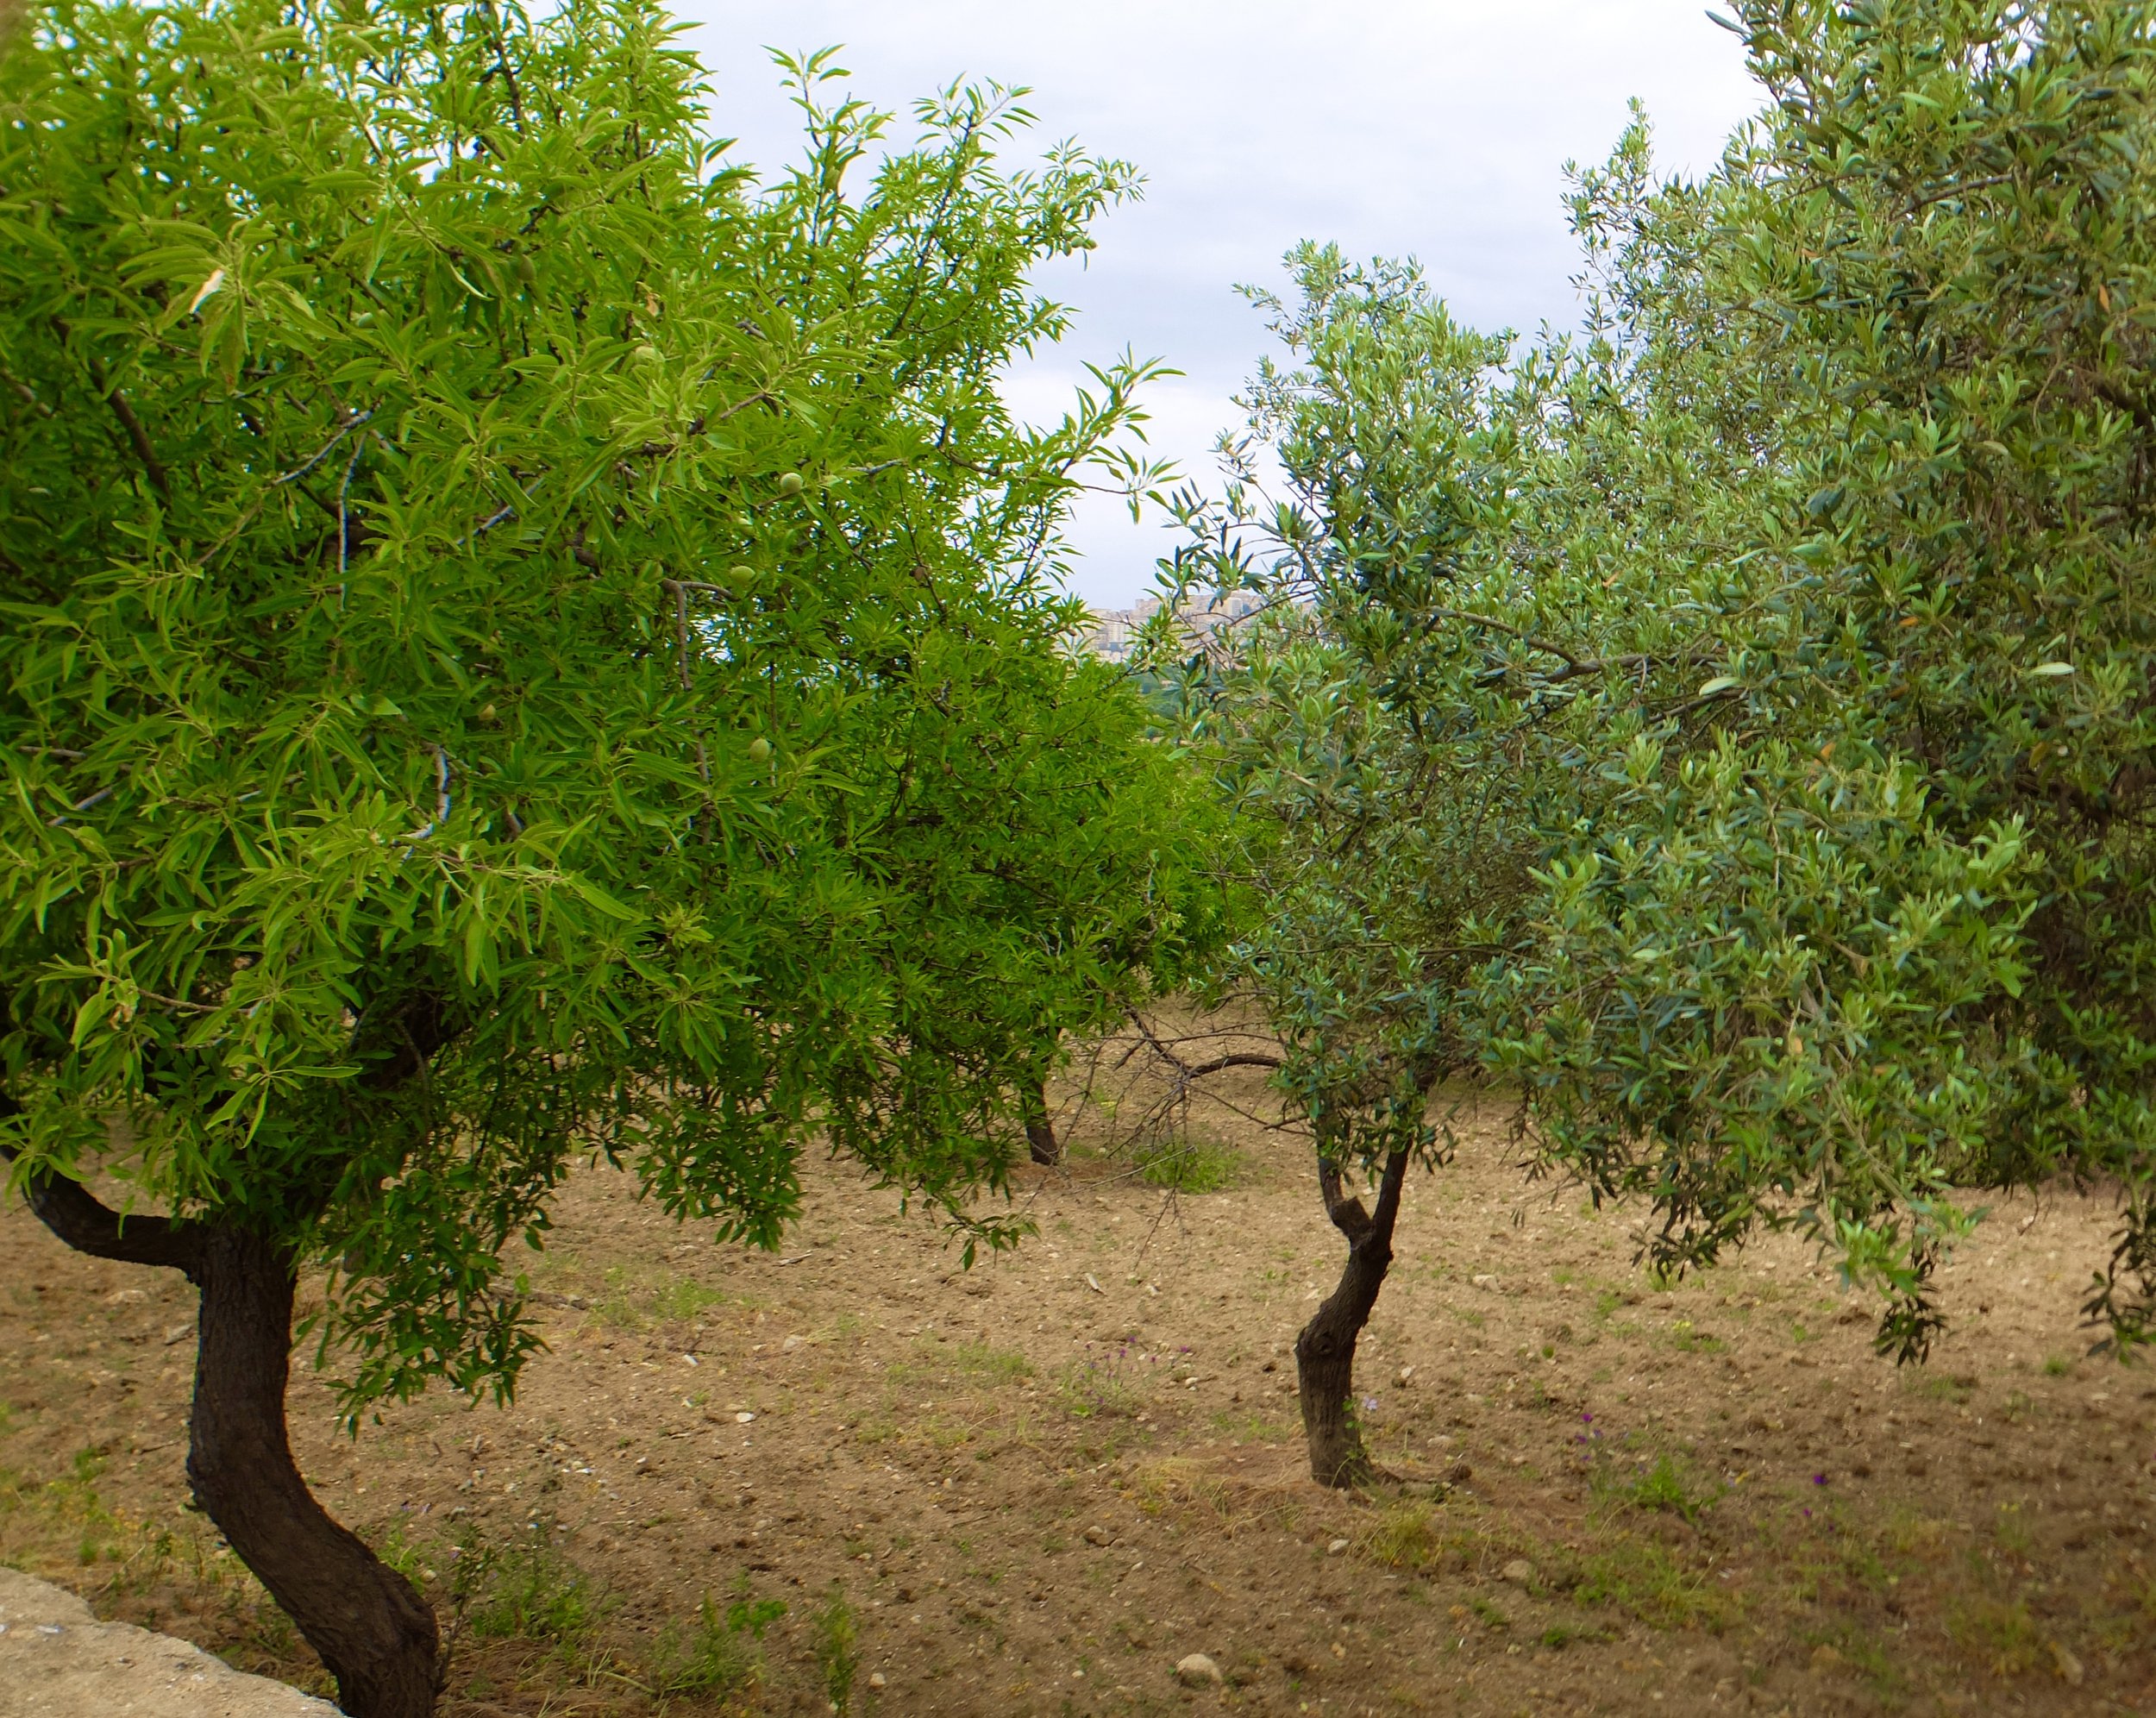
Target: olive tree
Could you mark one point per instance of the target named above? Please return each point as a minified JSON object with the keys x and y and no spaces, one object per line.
{"x":522,"y":644}
{"x":1877,"y":933}
{"x":1753,"y":687}
{"x":1395,"y":723}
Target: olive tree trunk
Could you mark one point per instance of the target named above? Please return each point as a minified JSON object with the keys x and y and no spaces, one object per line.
{"x":1040,"y":1129}
{"x":372,"y":1630}
{"x":1325,"y":1351}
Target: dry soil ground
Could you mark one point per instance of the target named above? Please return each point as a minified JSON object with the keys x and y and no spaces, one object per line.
{"x":1035,"y":1487}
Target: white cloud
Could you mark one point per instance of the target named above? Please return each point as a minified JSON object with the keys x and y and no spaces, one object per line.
{"x":1436,"y":128}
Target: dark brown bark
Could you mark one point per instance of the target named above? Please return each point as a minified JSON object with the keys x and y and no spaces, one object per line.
{"x":1325,"y":1351}
{"x":375,"y":1633}
{"x":1040,"y":1129}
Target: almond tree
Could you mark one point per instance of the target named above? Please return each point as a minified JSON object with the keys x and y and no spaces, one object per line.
{"x":523,"y":645}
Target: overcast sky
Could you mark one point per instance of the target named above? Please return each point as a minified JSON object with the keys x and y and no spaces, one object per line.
{"x":1437,"y":128}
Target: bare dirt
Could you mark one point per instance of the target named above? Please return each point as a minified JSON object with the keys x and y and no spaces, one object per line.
{"x":1038,"y":1486}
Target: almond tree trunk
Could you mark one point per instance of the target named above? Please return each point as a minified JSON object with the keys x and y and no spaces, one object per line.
{"x":372,"y":1630}
{"x":1325,"y":1351}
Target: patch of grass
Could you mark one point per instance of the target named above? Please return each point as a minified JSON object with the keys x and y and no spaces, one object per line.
{"x":1647,"y":1581}
{"x":1491,"y":1616}
{"x":987,"y":1362}
{"x":718,"y":1656}
{"x":1870,"y":1659}
{"x":1191,"y":1164}
{"x":1909,"y":1531}
{"x":1106,"y":1381}
{"x":408,"y":1560}
{"x":2057,"y":1365}
{"x":834,"y":1636}
{"x":2000,"y":1632}
{"x":1661,"y":1485}
{"x":1403,"y":1537}
{"x":1176,"y":1480}
{"x":681,"y":1300}
{"x":635,"y":1299}
{"x":530,"y":1591}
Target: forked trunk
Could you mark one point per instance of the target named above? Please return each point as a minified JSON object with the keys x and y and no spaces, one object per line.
{"x":374,"y":1631}
{"x":1325,"y":1351}
{"x":1040,"y":1130}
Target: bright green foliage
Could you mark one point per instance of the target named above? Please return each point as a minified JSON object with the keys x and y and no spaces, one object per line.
{"x":1763,"y":673}
{"x":520,"y":642}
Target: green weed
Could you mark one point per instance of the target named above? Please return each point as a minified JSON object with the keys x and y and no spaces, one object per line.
{"x":986,"y":1363}
{"x":716,"y":1657}
{"x":1191,"y":1165}
{"x":1106,"y":1381}
{"x":682,"y":1299}
{"x":2001,"y":1632}
{"x":530,"y":1591}
{"x":1661,"y":1485}
{"x":834,"y":1635}
{"x":1647,"y":1580}
{"x":1401,"y":1538}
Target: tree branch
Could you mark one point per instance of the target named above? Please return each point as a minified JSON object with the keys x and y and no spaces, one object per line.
{"x":1573,"y":665}
{"x":137,"y":435}
{"x":79,"y":1218}
{"x":1343,"y":1208}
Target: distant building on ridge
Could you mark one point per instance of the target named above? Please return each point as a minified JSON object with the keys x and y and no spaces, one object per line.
{"x":1113,"y":635}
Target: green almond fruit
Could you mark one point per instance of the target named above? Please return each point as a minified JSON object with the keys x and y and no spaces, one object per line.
{"x":791,"y":484}
{"x":760,"y":749}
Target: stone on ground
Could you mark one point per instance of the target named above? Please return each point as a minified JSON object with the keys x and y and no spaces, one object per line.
{"x":59,"y":1661}
{"x":1196,"y":1670}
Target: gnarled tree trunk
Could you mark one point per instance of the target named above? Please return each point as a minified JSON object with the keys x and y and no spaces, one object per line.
{"x":374,"y":1631}
{"x":1324,"y":1352}
{"x":376,"y":1634}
